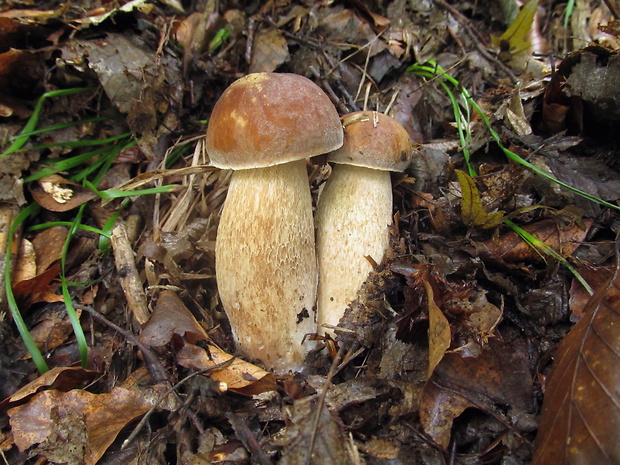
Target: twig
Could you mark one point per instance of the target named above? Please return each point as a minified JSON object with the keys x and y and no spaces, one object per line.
{"x":128,"y":274}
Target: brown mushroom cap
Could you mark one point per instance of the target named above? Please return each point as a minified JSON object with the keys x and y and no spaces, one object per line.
{"x":265,"y":119}
{"x":373,"y":140}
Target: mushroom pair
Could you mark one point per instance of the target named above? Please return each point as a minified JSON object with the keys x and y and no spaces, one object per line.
{"x":264,"y":126}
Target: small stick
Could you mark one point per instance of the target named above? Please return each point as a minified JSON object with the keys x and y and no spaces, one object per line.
{"x":128,"y":274}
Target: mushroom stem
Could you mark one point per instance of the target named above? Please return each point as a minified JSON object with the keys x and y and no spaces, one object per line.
{"x":353,"y":217}
{"x":266,"y":264}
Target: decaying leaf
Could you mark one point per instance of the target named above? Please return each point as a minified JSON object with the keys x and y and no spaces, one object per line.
{"x":581,"y":410}
{"x":472,"y":212}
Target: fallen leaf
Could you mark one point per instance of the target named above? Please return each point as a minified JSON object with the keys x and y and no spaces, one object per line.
{"x":499,"y":375}
{"x":269,"y":51}
{"x":171,"y":317}
{"x":439,"y":335}
{"x":314,"y":436}
{"x":510,"y":247}
{"x":75,"y":426}
{"x":48,"y":245}
{"x":580,"y":417}
{"x":62,"y":378}
{"x":472,"y":211}
{"x":39,"y":288}
{"x":240,"y":376}
{"x":58,"y":194}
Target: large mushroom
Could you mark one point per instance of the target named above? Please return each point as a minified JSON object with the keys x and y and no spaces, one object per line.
{"x":354,"y":211}
{"x":264,"y":127}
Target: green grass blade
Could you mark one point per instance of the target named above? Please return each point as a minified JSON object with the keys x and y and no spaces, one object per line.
{"x":84,"y":227}
{"x":56,"y":127}
{"x":73,"y":317}
{"x":31,"y":124}
{"x":540,"y":246}
{"x":33,"y":350}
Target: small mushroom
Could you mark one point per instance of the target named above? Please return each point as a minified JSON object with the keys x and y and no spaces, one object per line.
{"x":263,"y":127}
{"x":354,"y":211}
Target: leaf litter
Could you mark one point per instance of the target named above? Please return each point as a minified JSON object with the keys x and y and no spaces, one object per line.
{"x":458,"y":348}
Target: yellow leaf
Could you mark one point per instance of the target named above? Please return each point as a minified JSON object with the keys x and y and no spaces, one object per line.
{"x":517,"y":32}
{"x":472,"y":212}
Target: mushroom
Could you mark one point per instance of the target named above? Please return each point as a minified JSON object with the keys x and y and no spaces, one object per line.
{"x":264,"y":127}
{"x":354,"y":210}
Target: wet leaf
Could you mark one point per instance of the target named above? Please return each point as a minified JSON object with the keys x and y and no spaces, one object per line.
{"x":472,"y":212}
{"x":581,"y":409}
{"x":439,"y":336}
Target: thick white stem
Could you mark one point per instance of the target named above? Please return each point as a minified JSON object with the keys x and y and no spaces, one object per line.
{"x":352,"y":220}
{"x":266,"y":263}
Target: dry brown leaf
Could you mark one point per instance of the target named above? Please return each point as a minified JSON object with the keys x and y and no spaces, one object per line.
{"x":48,"y":245}
{"x":499,"y":375}
{"x":75,"y":426}
{"x":270,"y":50}
{"x":58,"y":194}
{"x":314,"y":436}
{"x":39,"y":288}
{"x":439,"y":335}
{"x":171,"y":317}
{"x":581,"y":410}
{"x":240,"y":376}
{"x":63,"y":378}
{"x":511,"y":247}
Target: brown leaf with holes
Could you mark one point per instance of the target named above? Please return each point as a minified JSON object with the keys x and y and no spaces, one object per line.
{"x":581,"y":410}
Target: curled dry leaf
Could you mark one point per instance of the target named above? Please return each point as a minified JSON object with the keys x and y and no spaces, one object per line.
{"x":172,"y":318}
{"x":63,"y":378}
{"x":581,"y":410}
{"x":58,"y":194}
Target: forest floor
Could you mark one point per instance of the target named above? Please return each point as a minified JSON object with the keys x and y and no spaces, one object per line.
{"x":114,"y":346}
